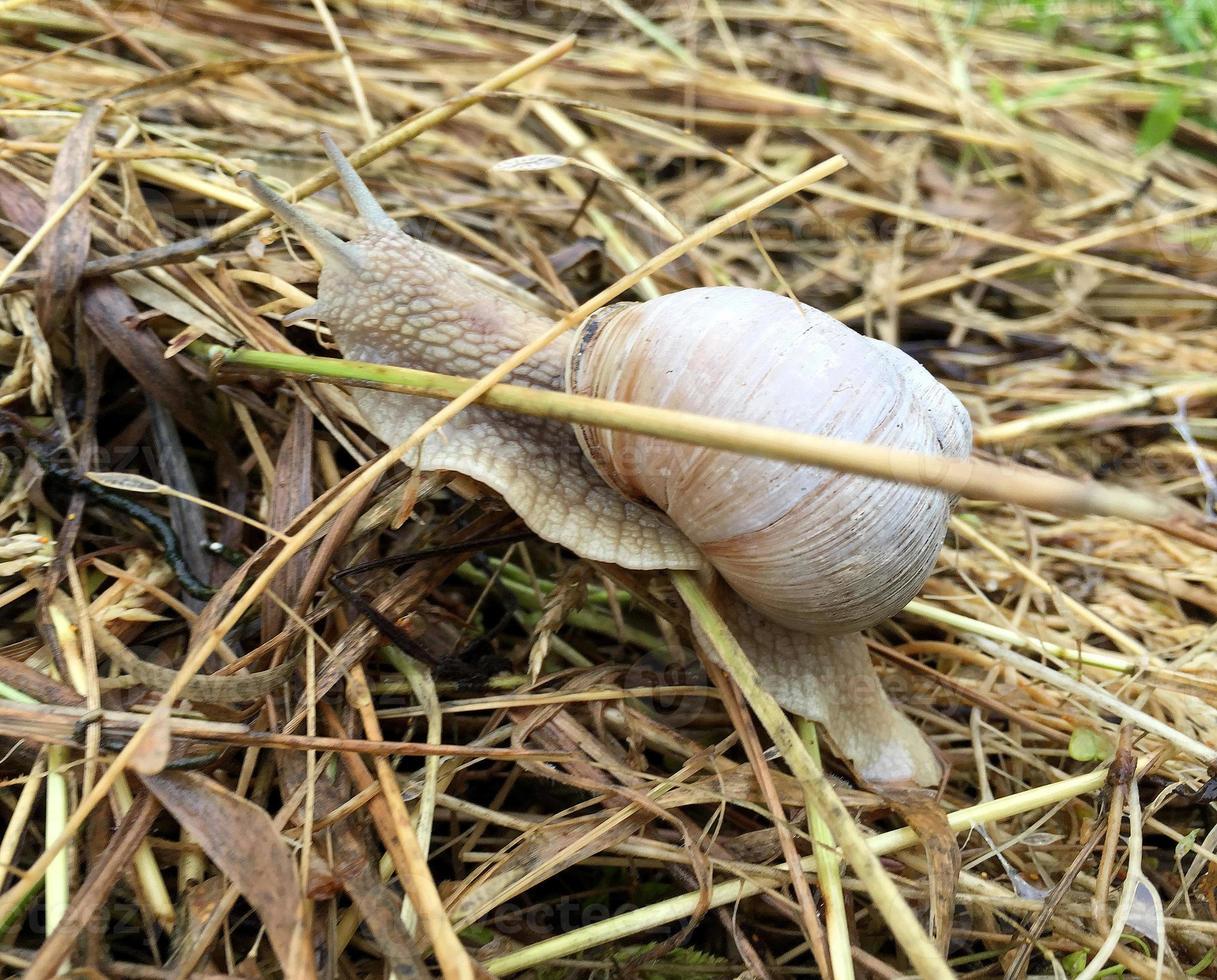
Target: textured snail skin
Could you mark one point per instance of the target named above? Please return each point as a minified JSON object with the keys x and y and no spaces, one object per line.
{"x":398,"y":301}
{"x":390,"y":299}
{"x":830,"y":679}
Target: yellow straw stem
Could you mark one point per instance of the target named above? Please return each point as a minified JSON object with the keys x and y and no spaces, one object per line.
{"x":729,"y":892}
{"x":828,"y":873}
{"x":821,"y":798}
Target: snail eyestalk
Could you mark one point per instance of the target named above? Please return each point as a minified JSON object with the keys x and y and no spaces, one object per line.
{"x":326,"y":242}
{"x":374,"y":216}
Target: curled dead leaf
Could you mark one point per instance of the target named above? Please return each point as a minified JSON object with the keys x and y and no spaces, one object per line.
{"x":63,"y":252}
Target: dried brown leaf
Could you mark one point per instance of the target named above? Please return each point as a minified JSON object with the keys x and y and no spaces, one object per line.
{"x":922,"y":811}
{"x":64,"y":251}
{"x":291,"y":494}
{"x":242,"y":841}
{"x":152,"y":754}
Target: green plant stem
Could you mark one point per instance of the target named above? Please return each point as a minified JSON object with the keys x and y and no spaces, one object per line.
{"x":57,"y":875}
{"x":896,"y":912}
{"x":828,"y":872}
{"x":973,"y":478}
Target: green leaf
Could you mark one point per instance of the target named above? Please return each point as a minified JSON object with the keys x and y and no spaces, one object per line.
{"x":1185,"y":845}
{"x":997,"y":94}
{"x":681,"y":956}
{"x":1161,"y":121}
{"x":1086,"y":745}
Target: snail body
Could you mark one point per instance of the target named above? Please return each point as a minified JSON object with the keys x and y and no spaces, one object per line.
{"x":811,"y":556}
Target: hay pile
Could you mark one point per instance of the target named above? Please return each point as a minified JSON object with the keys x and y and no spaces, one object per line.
{"x":1027,"y":208}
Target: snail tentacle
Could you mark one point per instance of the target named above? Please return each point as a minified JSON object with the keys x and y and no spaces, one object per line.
{"x":373,"y":215}
{"x":324,"y":241}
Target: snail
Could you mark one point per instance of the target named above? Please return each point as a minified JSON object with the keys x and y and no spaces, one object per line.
{"x":800,"y":559}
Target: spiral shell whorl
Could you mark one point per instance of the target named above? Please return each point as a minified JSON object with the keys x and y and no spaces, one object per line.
{"x":813,"y":549}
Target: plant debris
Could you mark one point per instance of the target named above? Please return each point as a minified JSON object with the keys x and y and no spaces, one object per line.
{"x":221,"y":756}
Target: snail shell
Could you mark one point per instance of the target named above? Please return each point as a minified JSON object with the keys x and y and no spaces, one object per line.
{"x":810,"y":548}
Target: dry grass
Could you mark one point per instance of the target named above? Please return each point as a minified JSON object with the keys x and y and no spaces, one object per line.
{"x":1027,"y":208}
